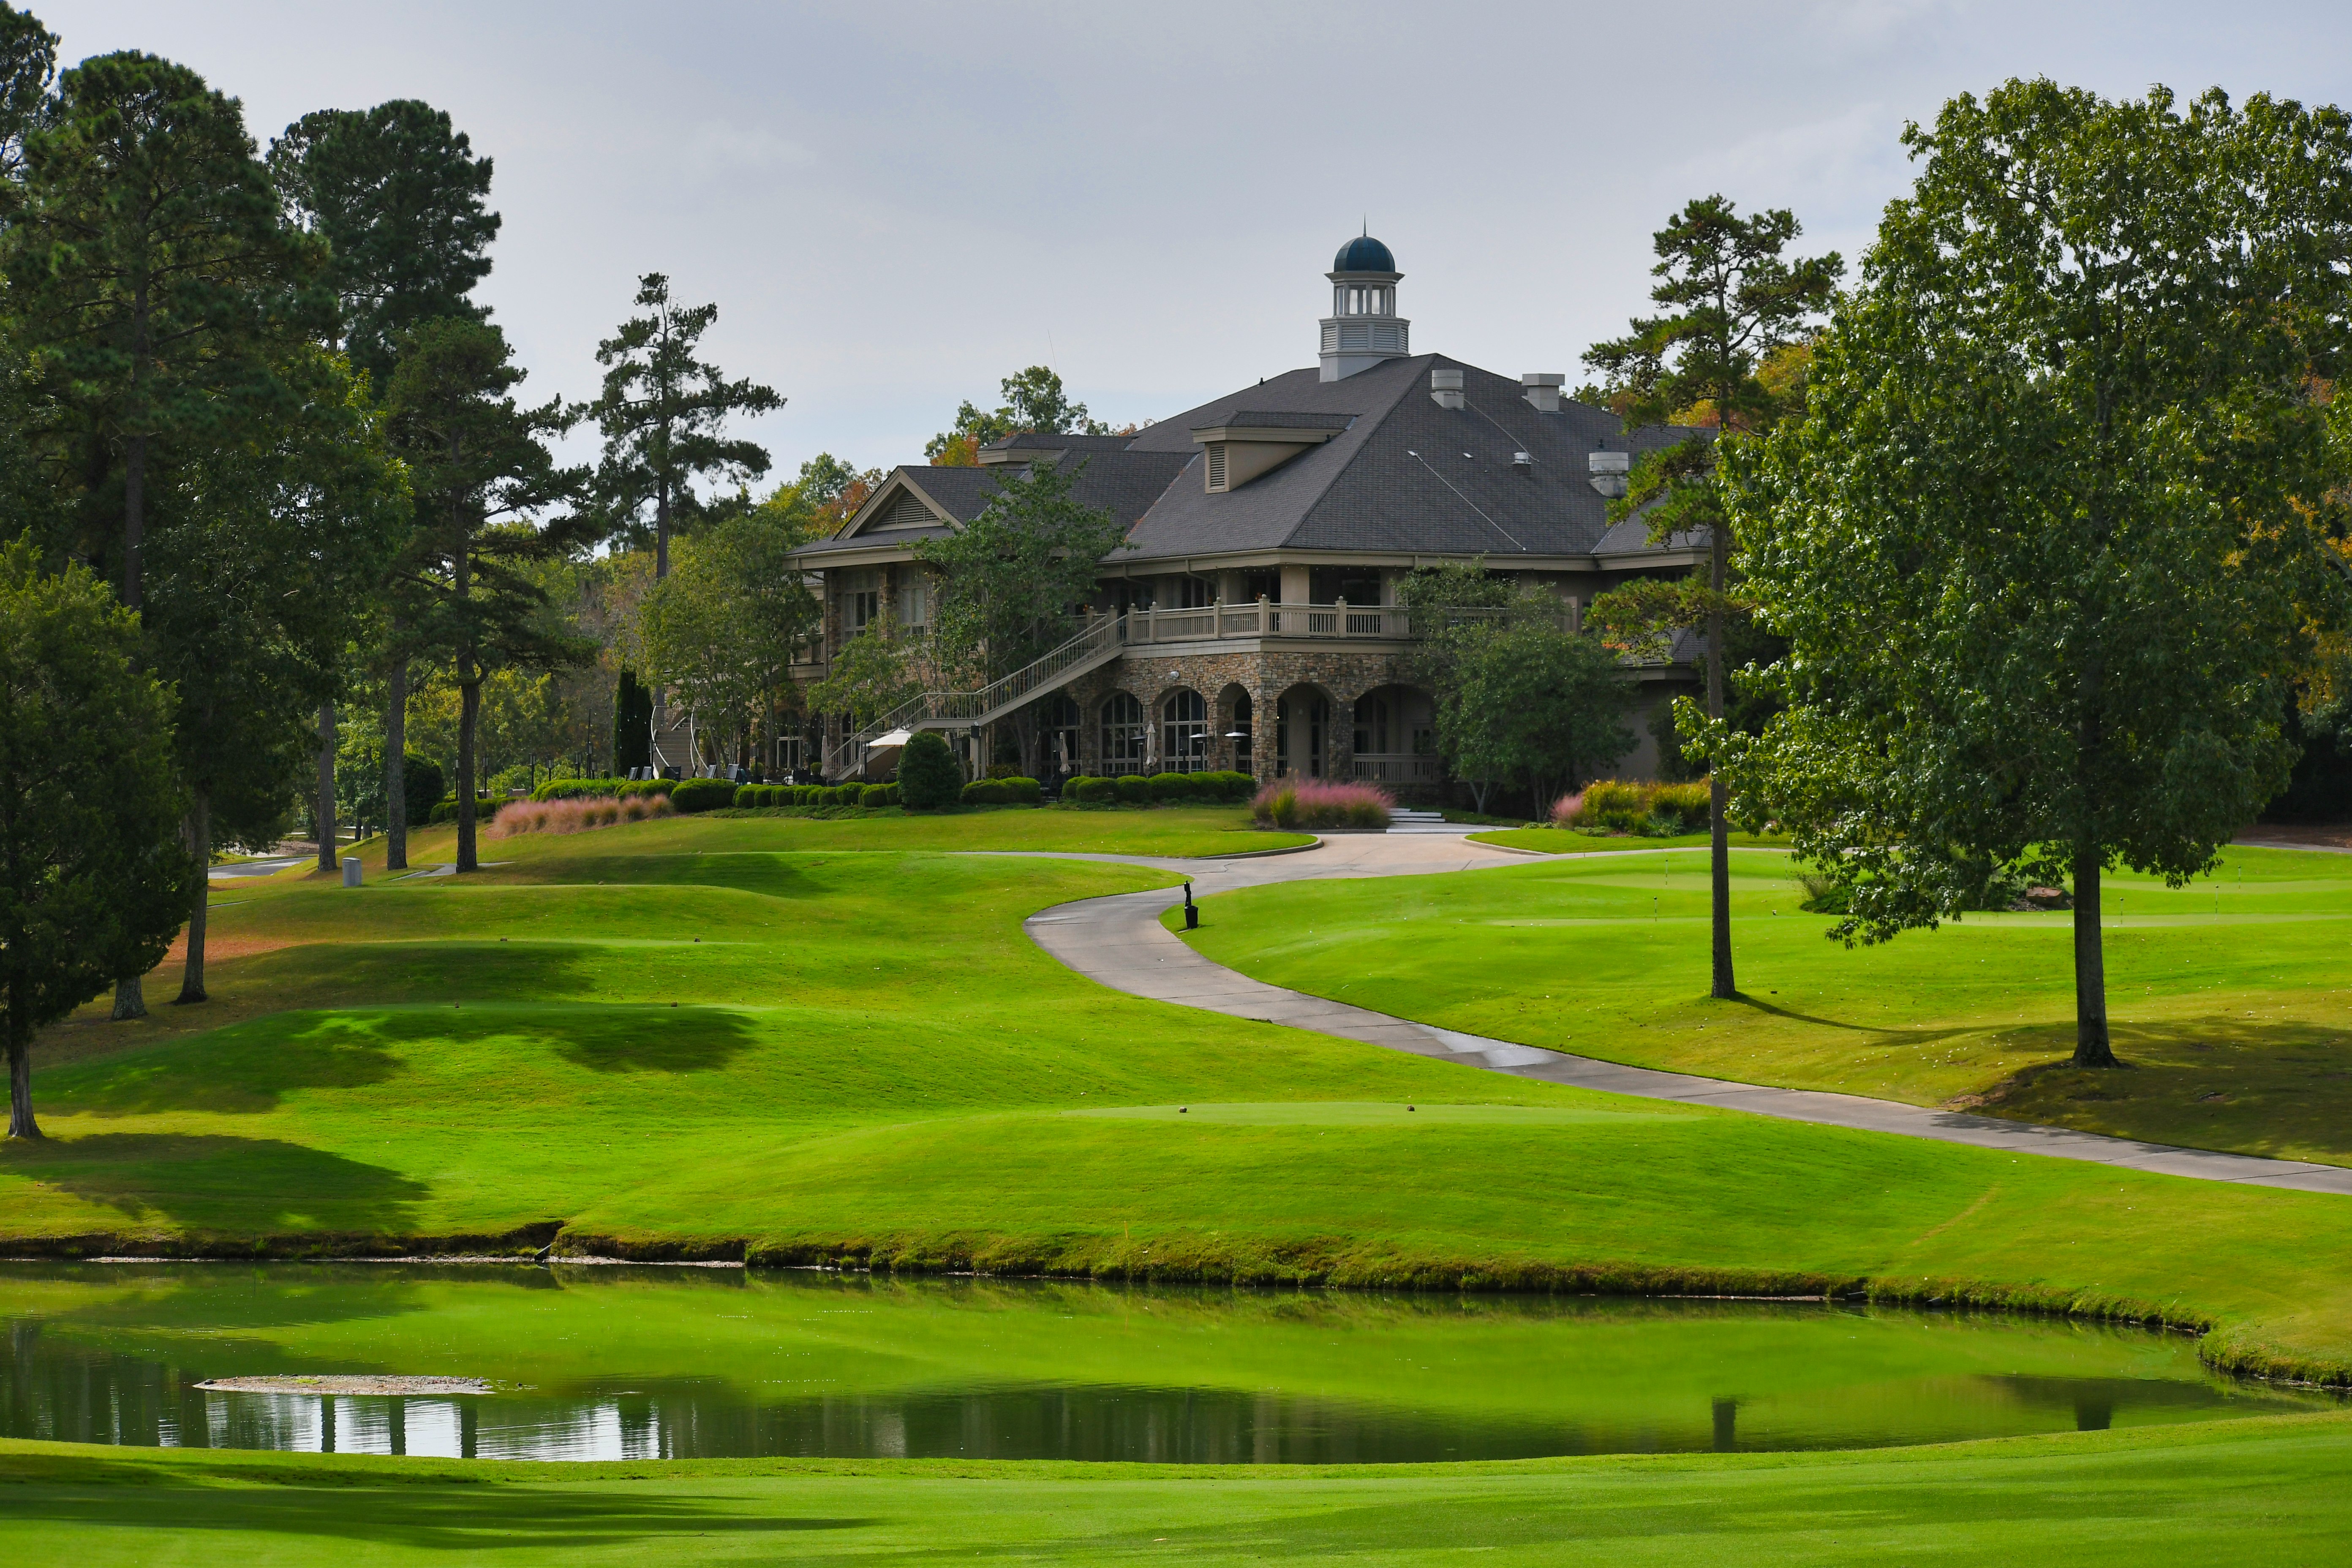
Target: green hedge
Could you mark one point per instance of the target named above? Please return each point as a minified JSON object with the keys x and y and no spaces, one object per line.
{"x":874,"y":797}
{"x":1217,"y":788}
{"x":644,"y":786}
{"x":577,"y":789}
{"x":702,"y":795}
{"x":485,"y":807}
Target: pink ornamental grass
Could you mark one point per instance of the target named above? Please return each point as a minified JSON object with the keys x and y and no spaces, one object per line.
{"x":1566,"y":809}
{"x":577,"y":816}
{"x":1314,"y":803}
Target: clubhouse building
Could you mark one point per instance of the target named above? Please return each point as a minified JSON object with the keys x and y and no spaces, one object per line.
{"x":1254,"y":624}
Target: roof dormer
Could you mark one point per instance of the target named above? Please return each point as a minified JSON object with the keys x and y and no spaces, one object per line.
{"x":1247,"y":443}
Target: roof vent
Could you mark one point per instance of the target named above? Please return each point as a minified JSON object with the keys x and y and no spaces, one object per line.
{"x":1523,"y":462}
{"x":1609,"y":471}
{"x":1541,"y":389}
{"x":1446,"y":386}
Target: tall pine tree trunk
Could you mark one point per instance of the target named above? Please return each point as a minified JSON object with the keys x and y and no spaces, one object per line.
{"x":469,"y":711}
{"x":20,"y":1063}
{"x":200,"y":843}
{"x":1718,"y":832}
{"x":2092,"y":1047}
{"x":327,"y":861}
{"x":396,"y":764}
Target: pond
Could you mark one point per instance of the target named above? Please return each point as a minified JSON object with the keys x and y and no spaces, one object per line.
{"x":624,"y":1362}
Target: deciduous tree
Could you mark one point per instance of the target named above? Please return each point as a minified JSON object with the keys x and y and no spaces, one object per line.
{"x":2063,"y":505}
{"x":94,"y":880}
{"x":1034,"y":401}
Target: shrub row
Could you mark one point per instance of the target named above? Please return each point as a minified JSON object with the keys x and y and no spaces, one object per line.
{"x":1651,"y":810}
{"x":1004,"y":792}
{"x":602,"y":789}
{"x":1136,"y":789}
{"x":1313,"y":803}
{"x":872,"y":797}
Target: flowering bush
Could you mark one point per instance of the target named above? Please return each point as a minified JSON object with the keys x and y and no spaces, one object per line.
{"x":1652,"y":810}
{"x":1312,"y":803}
{"x":574,"y":816}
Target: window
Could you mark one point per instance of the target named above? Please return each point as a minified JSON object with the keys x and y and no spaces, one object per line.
{"x":1195,"y":593}
{"x":1356,"y":584}
{"x":1241,"y":735}
{"x":914,"y":601}
{"x":1122,"y":734}
{"x":1184,"y":733}
{"x":864,"y":608}
{"x":1304,"y":718}
{"x":1371,"y":724}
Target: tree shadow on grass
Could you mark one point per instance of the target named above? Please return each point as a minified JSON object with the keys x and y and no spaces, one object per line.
{"x":211,"y":1181}
{"x":617,"y":1037}
{"x":246,"y":1067}
{"x":92,"y":1496}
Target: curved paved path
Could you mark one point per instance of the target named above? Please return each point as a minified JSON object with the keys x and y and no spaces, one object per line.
{"x":1119,"y":942}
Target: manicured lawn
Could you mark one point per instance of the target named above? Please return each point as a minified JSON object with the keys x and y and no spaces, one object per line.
{"x":666,"y":1036}
{"x":2257,"y":1493}
{"x":2230,"y":998}
{"x":1568,"y":841}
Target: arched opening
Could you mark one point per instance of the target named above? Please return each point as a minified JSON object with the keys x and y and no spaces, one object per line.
{"x":1122,"y":734}
{"x":1302,"y":733}
{"x":1059,"y":723}
{"x":1234,"y":703}
{"x":1184,"y":732}
{"x":1395,"y":736}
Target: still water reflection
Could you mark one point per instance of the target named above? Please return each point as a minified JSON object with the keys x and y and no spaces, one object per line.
{"x":629,"y":1363}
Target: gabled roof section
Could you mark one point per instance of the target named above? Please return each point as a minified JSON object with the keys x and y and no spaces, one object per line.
{"x":927,"y":503}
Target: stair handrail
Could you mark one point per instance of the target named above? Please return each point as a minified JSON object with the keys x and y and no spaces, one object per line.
{"x":984,"y":702}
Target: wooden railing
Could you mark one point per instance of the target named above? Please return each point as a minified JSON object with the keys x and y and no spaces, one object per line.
{"x":1341,"y":620}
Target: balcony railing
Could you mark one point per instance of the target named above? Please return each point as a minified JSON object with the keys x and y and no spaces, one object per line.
{"x":1341,"y":620}
{"x":1394,"y":769}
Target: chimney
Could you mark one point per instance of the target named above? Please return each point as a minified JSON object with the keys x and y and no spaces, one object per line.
{"x":1609,"y":472}
{"x":1541,"y":389}
{"x":1446,"y":386}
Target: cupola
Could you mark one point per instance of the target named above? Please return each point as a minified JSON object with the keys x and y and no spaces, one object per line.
{"x":1363,"y":328}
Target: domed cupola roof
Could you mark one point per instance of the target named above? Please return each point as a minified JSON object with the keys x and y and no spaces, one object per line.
{"x":1363,"y":254}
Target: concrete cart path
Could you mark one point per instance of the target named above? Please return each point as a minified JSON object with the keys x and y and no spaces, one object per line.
{"x":1119,"y":942}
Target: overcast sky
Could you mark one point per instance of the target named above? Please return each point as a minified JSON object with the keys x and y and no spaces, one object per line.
{"x":897,"y":205}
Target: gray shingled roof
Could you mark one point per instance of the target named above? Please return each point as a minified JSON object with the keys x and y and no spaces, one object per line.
{"x":1406,"y":475}
{"x":1399,"y":475}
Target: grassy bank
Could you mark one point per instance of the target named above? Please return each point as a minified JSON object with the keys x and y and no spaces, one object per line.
{"x":2256,"y":1492}
{"x":2228,"y":997}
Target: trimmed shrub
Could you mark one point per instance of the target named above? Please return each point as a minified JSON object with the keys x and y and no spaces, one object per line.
{"x":1019,"y":791}
{"x":1087,"y":789}
{"x":873,"y":797}
{"x":577,"y":816}
{"x":985,"y":792}
{"x":1652,"y":810}
{"x":929,"y":778}
{"x":1133,"y":789}
{"x":1314,"y":803}
{"x":485,"y":808}
{"x":1223,"y":786}
{"x":702,"y":795}
{"x":1170,"y":787}
{"x":579,"y":789}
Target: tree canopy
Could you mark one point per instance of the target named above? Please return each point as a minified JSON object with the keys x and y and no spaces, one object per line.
{"x":664,"y":414}
{"x":1034,"y":401}
{"x":2065,"y":507}
{"x":94,"y":880}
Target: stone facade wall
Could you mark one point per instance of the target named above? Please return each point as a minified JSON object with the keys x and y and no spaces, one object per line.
{"x":1152,"y":674}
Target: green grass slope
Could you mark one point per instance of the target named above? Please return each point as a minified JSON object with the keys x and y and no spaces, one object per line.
{"x":2230,"y":998}
{"x":2257,"y":1493}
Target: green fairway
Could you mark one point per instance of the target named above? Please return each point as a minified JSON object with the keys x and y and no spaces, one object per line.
{"x":2258,"y":1492}
{"x":2230,"y":999}
{"x":668,"y":1037}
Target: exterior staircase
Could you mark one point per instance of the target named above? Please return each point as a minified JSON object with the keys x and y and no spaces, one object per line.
{"x":1103,"y":640}
{"x":1401,"y":820}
